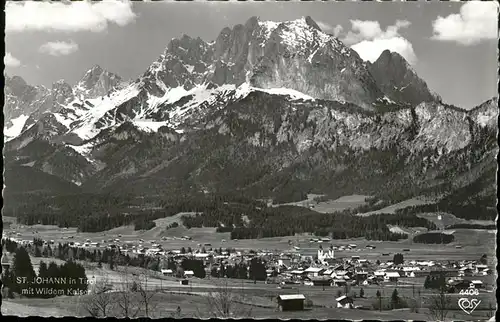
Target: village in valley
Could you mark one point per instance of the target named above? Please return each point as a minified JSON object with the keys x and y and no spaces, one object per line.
{"x":312,"y":275}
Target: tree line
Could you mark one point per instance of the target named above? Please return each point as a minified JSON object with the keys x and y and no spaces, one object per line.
{"x":434,"y":238}
{"x":290,"y":220}
{"x":222,"y":211}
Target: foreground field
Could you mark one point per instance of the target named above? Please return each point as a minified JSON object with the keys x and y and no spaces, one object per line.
{"x":194,"y":303}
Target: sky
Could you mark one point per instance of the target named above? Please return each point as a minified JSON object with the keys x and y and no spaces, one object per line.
{"x":451,"y":45}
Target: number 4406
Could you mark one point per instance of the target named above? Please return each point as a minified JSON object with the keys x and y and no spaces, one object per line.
{"x":470,"y":291}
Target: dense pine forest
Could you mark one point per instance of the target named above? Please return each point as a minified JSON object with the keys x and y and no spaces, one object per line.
{"x":241,"y":216}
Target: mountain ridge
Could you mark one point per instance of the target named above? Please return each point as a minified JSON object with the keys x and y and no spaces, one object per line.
{"x":267,"y":109}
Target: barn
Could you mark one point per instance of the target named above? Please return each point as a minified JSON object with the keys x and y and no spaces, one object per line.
{"x":345,"y":302}
{"x":321,"y":280}
{"x":293,"y":302}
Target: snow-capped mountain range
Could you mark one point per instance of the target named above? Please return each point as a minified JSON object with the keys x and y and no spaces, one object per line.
{"x":284,"y":91}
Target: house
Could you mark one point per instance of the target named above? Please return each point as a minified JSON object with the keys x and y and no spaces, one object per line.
{"x":298,"y":273}
{"x":321,"y":281}
{"x":314,"y":271}
{"x":371,"y":280}
{"x":339,"y":282}
{"x":330,"y":273}
{"x":392,"y":276}
{"x":465,"y":271}
{"x":345,"y":302}
{"x":476,"y":284}
{"x":460,"y":284}
{"x":332,"y":261}
{"x":167,"y":272}
{"x":480,"y":267}
{"x":188,"y":274}
{"x":410,"y":274}
{"x":486,"y":271}
{"x":293,"y":302}
{"x":361,"y":276}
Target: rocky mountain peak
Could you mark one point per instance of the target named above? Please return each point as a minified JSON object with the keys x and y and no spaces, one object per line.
{"x":311,"y":23}
{"x":294,"y":54}
{"x":15,"y":80}
{"x":252,"y":23}
{"x":62,"y":92}
{"x":17,"y":86}
{"x":61,"y":86}
{"x":97,"y":82}
{"x":486,"y":114}
{"x":399,"y":82}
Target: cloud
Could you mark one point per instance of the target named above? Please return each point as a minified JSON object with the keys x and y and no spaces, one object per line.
{"x":370,"y":50}
{"x":477,"y":21}
{"x":368,"y":39}
{"x":11,"y":61}
{"x":335,"y":31}
{"x":58,"y":48}
{"x":66,"y":17}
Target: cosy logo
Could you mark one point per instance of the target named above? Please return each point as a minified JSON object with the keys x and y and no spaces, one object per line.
{"x":468,"y":306}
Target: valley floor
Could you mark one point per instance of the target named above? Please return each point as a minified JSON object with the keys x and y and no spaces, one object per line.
{"x":259,"y":297}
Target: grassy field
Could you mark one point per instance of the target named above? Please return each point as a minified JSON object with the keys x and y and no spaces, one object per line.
{"x":342,"y":203}
{"x":403,"y":204}
{"x":255,"y":304}
{"x":449,"y":219}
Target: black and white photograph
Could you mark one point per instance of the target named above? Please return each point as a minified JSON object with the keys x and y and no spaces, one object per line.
{"x":329,"y":160}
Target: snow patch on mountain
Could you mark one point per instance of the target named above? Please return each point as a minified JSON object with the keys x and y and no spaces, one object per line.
{"x":87,"y":129}
{"x":268,"y":27}
{"x":294,"y":95}
{"x":16,"y":128}
{"x":485,"y":117}
{"x":84,"y":150}
{"x":66,"y":121}
{"x":149,"y":125}
{"x":298,"y":33}
{"x":245,"y":89}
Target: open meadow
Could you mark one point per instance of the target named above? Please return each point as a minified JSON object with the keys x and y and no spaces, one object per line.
{"x":329,"y":206}
{"x":256,"y":303}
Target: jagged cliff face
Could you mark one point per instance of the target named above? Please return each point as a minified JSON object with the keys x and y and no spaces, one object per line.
{"x":21,"y":101}
{"x":398,"y":80}
{"x":294,"y":54}
{"x":261,"y":143}
{"x":264,"y":108}
{"x":97,"y":82}
{"x":25,"y":105}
